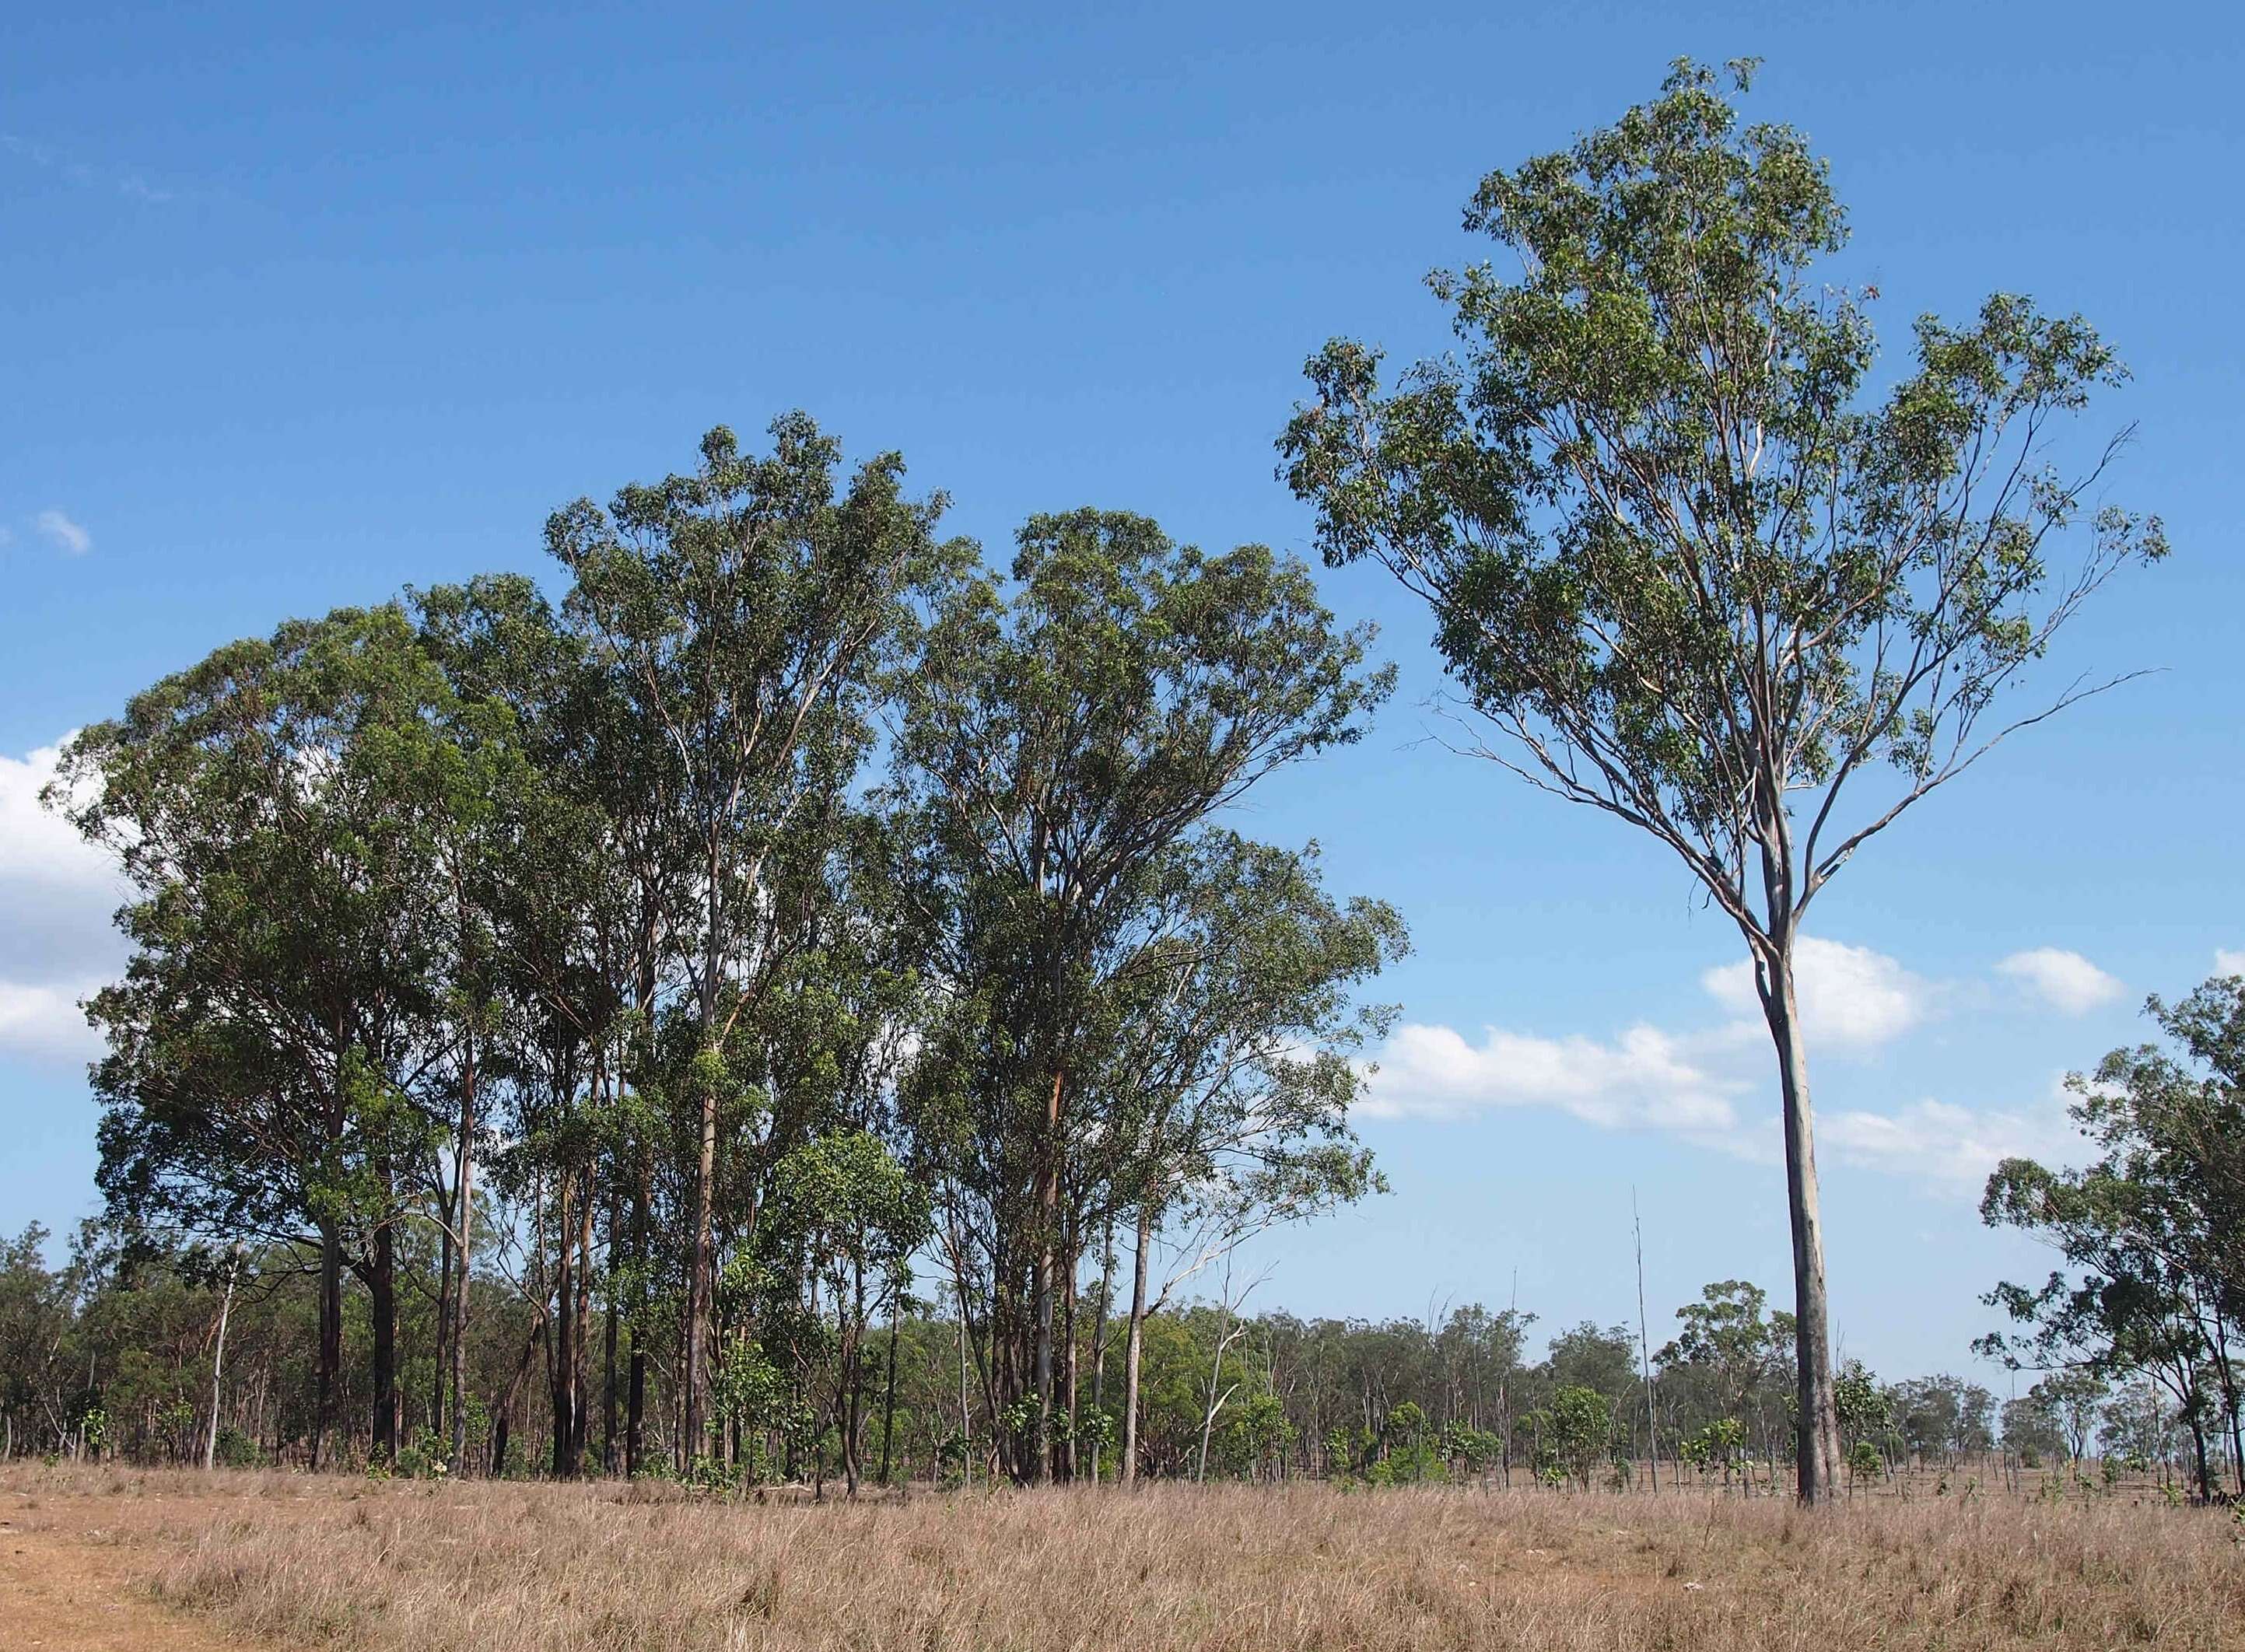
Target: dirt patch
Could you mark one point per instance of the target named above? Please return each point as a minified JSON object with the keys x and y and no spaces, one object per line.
{"x":68,"y":1583}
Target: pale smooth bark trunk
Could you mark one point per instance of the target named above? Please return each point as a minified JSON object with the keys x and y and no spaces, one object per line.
{"x":966,"y":1417}
{"x":699,"y":1289}
{"x":464,"y":1272}
{"x":581,"y":1412}
{"x":1816,"y":1436}
{"x":1099,"y":1338}
{"x":1047,"y":1283}
{"x":610,"y":1329}
{"x":440,"y":1375}
{"x":889,"y":1390}
{"x":1134,"y":1347}
{"x":217,"y":1359}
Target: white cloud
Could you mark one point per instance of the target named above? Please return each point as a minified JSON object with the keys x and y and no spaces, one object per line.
{"x":37,"y":846}
{"x":1851,"y":997}
{"x":1951,"y":1146}
{"x":2065,"y":979}
{"x":1643,"y":1080}
{"x":59,"y":892}
{"x":2230,"y":961}
{"x":59,"y":530}
{"x":47,"y":1023}
{"x":1711,"y":1086}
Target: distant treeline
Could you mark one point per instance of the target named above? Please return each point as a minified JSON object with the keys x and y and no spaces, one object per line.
{"x":105,"y":1357}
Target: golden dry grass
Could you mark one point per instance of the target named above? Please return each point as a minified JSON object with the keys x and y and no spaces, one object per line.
{"x":503,"y":1567}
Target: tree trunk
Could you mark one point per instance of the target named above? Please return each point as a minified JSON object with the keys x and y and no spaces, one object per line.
{"x":1068,"y":1346}
{"x":503,"y":1413}
{"x":1816,"y":1430}
{"x":610,"y":1330}
{"x":463,"y":1271}
{"x":218,"y":1362}
{"x":635,"y":1396}
{"x":382,"y":1303}
{"x":853,"y":1404}
{"x":331,"y":1338}
{"x":580,"y":1396}
{"x":889,"y":1388}
{"x":700,"y":1277}
{"x":441,"y":1370}
{"x":1099,"y":1337}
{"x":561,"y":1379}
{"x":965,"y":1416}
{"x":1135,"y":1346}
{"x":1047,"y":1272}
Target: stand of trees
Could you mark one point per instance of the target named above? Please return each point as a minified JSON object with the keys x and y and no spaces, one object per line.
{"x":795,"y":1004}
{"x":623,"y":996}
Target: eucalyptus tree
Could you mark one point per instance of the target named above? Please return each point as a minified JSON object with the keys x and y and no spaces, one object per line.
{"x":275,"y":1021}
{"x":2149,"y":1231}
{"x":1060,"y":734}
{"x":1228,"y":1073}
{"x":1683,"y":566}
{"x":611,"y":841}
{"x":744,"y":610}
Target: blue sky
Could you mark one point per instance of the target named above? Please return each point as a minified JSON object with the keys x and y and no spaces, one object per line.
{"x":302,"y":309}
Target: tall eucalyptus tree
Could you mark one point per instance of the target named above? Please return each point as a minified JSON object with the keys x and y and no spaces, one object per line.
{"x":275,"y":1022}
{"x":1686,"y":570}
{"x":1060,"y":736}
{"x":744,"y":610}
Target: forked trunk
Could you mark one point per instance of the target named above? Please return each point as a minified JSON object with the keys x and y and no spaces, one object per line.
{"x":463,"y":1271}
{"x":1816,"y":1436}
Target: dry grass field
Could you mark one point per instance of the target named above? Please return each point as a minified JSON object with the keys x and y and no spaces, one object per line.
{"x":98,"y":1559}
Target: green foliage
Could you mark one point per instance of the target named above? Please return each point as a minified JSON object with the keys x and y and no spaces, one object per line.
{"x":1688,"y":562}
{"x":1581,"y":1430}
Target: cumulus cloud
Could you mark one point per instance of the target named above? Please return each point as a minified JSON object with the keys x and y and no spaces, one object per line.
{"x":2230,"y":961}
{"x":2065,"y":980}
{"x":58,"y":530}
{"x":1952,"y":1147}
{"x":59,"y":892}
{"x":1689,"y":1084}
{"x":1645,"y":1079}
{"x":1851,"y":997}
{"x":1710,"y":1086}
